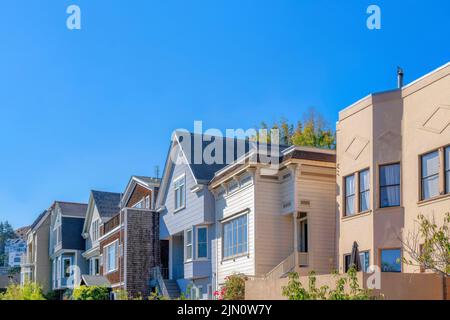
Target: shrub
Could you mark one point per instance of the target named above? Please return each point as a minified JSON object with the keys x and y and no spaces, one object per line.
{"x":295,"y":290}
{"x":234,"y":288}
{"x":90,"y":293}
{"x":29,"y":291}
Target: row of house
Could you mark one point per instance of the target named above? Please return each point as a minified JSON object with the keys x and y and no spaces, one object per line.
{"x":303,"y":210}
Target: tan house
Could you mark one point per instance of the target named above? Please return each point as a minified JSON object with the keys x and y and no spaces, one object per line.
{"x":35,"y":264}
{"x":270,"y":222}
{"x":393,"y":163}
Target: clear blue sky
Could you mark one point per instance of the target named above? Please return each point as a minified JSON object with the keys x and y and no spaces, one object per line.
{"x":82,"y":110}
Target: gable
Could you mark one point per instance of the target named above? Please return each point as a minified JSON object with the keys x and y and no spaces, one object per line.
{"x":139,"y":192}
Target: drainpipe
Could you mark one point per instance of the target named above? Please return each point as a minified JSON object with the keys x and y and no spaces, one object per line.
{"x":400,"y":76}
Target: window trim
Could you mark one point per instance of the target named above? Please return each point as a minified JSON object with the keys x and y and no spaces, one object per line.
{"x":345,"y":255}
{"x":446,"y":170}
{"x":390,"y":185}
{"x":365,"y":191}
{"x":421,"y":180}
{"x":191,"y":245}
{"x":224,"y":222}
{"x":181,"y":177}
{"x":64,"y":271}
{"x":380,"y":261}
{"x":106,"y":259}
{"x":197,"y":243}
{"x":345,"y":194}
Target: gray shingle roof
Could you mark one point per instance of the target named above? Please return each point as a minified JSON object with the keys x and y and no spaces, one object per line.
{"x":92,"y":281}
{"x":148,"y":180}
{"x":107,"y":203}
{"x":72,"y":209}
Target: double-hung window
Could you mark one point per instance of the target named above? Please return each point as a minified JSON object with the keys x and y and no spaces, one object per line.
{"x":350,"y":195}
{"x":447,"y":169}
{"x":390,"y":185}
{"x":188,"y":245}
{"x":364,"y":190}
{"x":235,"y":237}
{"x":95,"y":230}
{"x":430,"y":175}
{"x":180,"y":192}
{"x":111,"y":255}
{"x":202,"y":242}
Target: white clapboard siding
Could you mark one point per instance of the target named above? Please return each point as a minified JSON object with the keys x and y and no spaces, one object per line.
{"x":225,"y":207}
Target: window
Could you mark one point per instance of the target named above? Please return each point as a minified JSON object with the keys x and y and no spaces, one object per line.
{"x":95,"y":230}
{"x":188,"y":245}
{"x":94,"y":266}
{"x":430,"y":175}
{"x":139,"y":205}
{"x":350,"y":195}
{"x":390,"y":185}
{"x":180,"y":193}
{"x":202,"y":242}
{"x":246,"y":180}
{"x":363,"y":258}
{"x":233,"y":186}
{"x":58,"y":235}
{"x":303,"y":235}
{"x":111,"y":257}
{"x":391,"y":260}
{"x":235,"y":237}
{"x":364,"y":191}
{"x":447,"y":170}
{"x":147,"y":202}
{"x":66,"y":267}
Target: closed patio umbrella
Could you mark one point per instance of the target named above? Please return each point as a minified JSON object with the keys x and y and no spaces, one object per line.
{"x":355,"y":260}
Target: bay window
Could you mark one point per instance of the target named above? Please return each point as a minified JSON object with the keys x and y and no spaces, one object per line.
{"x":188,"y":245}
{"x":202,"y":242}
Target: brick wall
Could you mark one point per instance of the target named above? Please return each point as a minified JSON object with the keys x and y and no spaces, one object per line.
{"x":142,"y":250}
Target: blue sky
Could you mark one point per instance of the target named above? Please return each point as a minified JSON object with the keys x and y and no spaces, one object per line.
{"x":82,"y":110}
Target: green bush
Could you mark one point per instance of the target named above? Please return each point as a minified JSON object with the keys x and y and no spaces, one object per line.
{"x":29,"y":291}
{"x":295,"y":290}
{"x":90,"y":293}
{"x":234,"y":288}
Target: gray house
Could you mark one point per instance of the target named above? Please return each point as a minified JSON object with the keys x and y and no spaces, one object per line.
{"x":66,"y":244}
{"x":186,"y":207}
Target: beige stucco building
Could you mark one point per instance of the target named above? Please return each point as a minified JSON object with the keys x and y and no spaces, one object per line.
{"x":393,"y":163}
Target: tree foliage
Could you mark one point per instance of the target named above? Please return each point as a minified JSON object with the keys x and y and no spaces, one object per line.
{"x":90,"y":293}
{"x":233,"y":289}
{"x":311,"y":131}
{"x":296,"y":291}
{"x":6,"y":232}
{"x":29,"y":291}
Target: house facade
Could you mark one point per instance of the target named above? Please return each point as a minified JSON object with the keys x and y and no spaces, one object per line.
{"x":102,"y":206}
{"x":129,"y":241}
{"x":35,"y":263}
{"x":14,"y":250}
{"x":66,"y":244}
{"x":393,"y":160}
{"x":271,"y":222}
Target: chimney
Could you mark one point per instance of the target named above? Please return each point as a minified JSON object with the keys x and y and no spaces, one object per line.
{"x":400,"y":75}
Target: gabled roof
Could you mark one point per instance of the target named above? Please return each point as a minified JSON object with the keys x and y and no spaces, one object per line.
{"x":107,"y":203}
{"x":95,"y":281}
{"x":72,"y":209}
{"x":146,"y":182}
{"x":202,"y":171}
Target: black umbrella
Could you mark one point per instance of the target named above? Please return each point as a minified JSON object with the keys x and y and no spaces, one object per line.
{"x":355,"y":260}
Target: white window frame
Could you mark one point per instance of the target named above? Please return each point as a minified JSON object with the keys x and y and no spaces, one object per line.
{"x":197,"y":243}
{"x":147,"y":202}
{"x":188,"y":246}
{"x":175,"y":190}
{"x":95,"y":229}
{"x":63,"y":271}
{"x":230,"y":221}
{"x":107,"y":269}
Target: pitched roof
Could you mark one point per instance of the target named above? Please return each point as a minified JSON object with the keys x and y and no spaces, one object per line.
{"x":148,"y":180}
{"x":72,"y":209}
{"x":38,"y":219}
{"x":22,"y":232}
{"x":107,"y":203}
{"x":95,"y":281}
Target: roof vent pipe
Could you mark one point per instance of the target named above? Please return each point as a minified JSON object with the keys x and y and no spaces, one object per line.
{"x":400,"y":75}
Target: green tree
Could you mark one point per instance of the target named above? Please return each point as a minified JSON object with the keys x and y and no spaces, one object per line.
{"x":29,"y":291}
{"x":428,"y":247}
{"x":6,"y":232}
{"x":90,"y":293}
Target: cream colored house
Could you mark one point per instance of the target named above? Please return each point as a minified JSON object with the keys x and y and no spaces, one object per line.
{"x":393,"y":163}
{"x":270,"y":222}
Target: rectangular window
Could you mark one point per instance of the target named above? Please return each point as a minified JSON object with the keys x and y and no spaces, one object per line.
{"x":447,"y":170}
{"x":235,"y":237}
{"x":391,"y":260}
{"x":188,"y":245}
{"x":111,"y":257}
{"x":390,"y":185}
{"x":364,"y":190}
{"x":180,"y":193}
{"x":147,"y":202}
{"x":202,"y":242}
{"x":246,"y":180}
{"x":363,"y":258}
{"x":95,"y":230}
{"x":66,"y":267}
{"x":233,"y":187}
{"x":350,"y":195}
{"x":430,"y":175}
